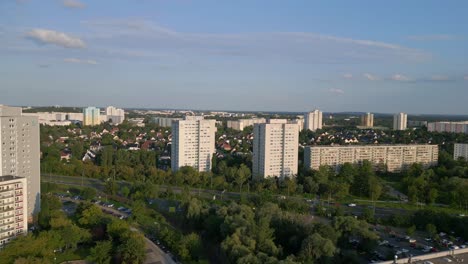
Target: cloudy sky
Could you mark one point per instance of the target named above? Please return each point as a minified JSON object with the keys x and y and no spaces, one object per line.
{"x":274,"y":55}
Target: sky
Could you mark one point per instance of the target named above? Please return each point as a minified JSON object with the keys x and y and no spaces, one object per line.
{"x":244,"y":55}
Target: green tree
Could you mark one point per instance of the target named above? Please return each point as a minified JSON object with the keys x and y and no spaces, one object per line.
{"x":101,"y":253}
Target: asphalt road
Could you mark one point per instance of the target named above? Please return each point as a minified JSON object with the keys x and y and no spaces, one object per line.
{"x":98,"y":184}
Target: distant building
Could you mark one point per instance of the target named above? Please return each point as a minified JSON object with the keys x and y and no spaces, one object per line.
{"x":193,"y":143}
{"x":243,"y":123}
{"x":313,"y":120}
{"x":412,"y":123}
{"x":115,"y":115}
{"x":138,"y":121}
{"x":299,"y":122}
{"x":19,"y":152}
{"x":451,"y":127}
{"x":13,"y":208}
{"x":394,"y":158}
{"x":56,"y":118}
{"x":164,"y":121}
{"x":367,"y":120}
{"x":91,"y":116}
{"x":399,"y":121}
{"x":460,"y":151}
{"x":275,"y":149}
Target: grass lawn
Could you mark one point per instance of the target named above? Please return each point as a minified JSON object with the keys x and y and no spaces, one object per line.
{"x":69,"y":255}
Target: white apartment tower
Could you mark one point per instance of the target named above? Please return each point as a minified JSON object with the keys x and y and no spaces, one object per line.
{"x":19,"y":152}
{"x":193,"y":143}
{"x":367,"y":120}
{"x":275,"y":149}
{"x":116,"y":115}
{"x":313,"y":120}
{"x":91,"y":116}
{"x":13,"y":208}
{"x":460,"y":151}
{"x":400,"y":121}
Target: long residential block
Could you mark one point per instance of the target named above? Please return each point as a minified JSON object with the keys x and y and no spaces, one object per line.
{"x":393,"y":158}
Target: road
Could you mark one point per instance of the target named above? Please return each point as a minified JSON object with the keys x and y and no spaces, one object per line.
{"x":154,"y":255}
{"x":98,"y":184}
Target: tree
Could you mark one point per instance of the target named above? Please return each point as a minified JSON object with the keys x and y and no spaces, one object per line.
{"x":410,"y":230}
{"x":431,"y":229}
{"x":88,"y":193}
{"x":132,"y":248}
{"x":101,"y":253}
{"x":315,"y":246}
{"x":243,"y":174}
{"x":125,"y":191}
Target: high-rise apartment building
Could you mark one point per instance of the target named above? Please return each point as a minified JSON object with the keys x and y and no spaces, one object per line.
{"x":13,"y":208}
{"x":451,"y":127}
{"x":313,"y":120}
{"x":91,"y":116}
{"x":115,"y":115}
{"x":275,"y":149}
{"x":164,"y":121}
{"x":193,"y":143}
{"x":400,"y":121}
{"x":19,"y":152}
{"x":392,"y":157}
{"x":243,"y":123}
{"x":367,"y":120}
{"x":460,"y":151}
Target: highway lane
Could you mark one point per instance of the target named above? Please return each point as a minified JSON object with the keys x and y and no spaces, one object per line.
{"x":98,"y":184}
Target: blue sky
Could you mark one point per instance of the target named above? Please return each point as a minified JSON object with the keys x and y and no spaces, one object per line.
{"x":373,"y":56}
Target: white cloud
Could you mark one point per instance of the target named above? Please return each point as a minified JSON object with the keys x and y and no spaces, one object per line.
{"x":336,"y":91}
{"x":302,"y":47}
{"x":432,"y":37}
{"x":46,"y":36}
{"x":347,"y":76}
{"x":80,"y":61}
{"x":73,"y":4}
{"x":371,"y":77}
{"x":400,"y":77}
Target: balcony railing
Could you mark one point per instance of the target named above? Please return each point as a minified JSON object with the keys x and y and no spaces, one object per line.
{"x":6,"y":217}
{"x":6,"y":196}
{"x":6,"y":230}
{"x":18,"y":193}
{"x":6,"y":190}
{"x":6,"y":209}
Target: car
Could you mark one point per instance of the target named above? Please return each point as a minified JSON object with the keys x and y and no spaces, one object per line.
{"x":462,"y":246}
{"x":404,"y":250}
{"x":383,"y":243}
{"x":352,"y":205}
{"x":454,"y":247}
{"x":447,"y":259}
{"x":428,"y":262}
{"x":110,"y":205}
{"x":428,"y":239}
{"x":121,"y":208}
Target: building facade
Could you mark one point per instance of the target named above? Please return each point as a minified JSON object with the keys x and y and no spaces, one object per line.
{"x":243,"y":123}
{"x":164,"y":121}
{"x":56,"y":118}
{"x":91,"y":116}
{"x":367,"y":120}
{"x":19,"y":152}
{"x":193,"y":143}
{"x":13,"y":208}
{"x":460,"y":151}
{"x":393,"y":158}
{"x":275,"y":149}
{"x":313,"y":120}
{"x":115,"y":115}
{"x":451,"y":127}
{"x":400,"y":121}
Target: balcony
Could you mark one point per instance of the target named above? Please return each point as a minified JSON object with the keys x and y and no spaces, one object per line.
{"x":19,"y":188}
{"x":4,"y":230}
{"x":18,"y":193}
{"x":6,"y":217}
{"x":5,"y":190}
{"x":7,"y":223}
{"x":6,"y":203}
{"x":6,"y":196}
{"x":6,"y":209}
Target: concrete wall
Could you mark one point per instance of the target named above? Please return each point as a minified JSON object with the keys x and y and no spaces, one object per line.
{"x":430,"y":256}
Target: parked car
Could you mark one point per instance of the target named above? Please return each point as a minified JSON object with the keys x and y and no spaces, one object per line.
{"x":352,"y":205}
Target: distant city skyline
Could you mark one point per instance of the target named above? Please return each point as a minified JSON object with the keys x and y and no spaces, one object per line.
{"x":294,"y":56}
